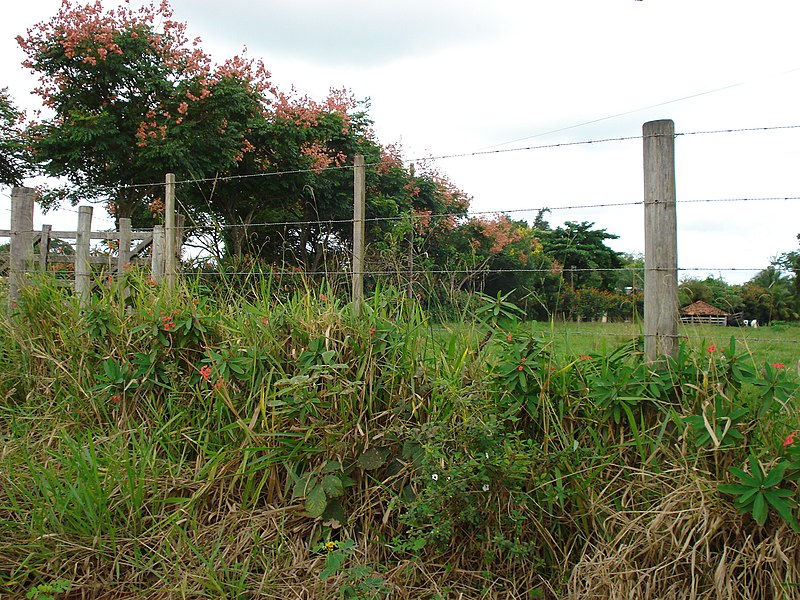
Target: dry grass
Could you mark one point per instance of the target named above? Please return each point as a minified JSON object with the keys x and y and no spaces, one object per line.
{"x":688,"y":545}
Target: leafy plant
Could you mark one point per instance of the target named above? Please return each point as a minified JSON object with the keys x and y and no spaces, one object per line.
{"x":47,"y":591}
{"x":498,"y":310}
{"x":717,"y":424}
{"x":759,"y":490}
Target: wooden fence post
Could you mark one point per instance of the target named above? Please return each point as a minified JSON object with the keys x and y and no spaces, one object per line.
{"x":157,"y":254}
{"x":410,"y":242}
{"x":20,"y":259}
{"x":83,"y":266}
{"x":44,"y":247}
{"x":359,"y":197}
{"x":124,"y":247}
{"x":170,"y":255}
{"x":660,"y":241}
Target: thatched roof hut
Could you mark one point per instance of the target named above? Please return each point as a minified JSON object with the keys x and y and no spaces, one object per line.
{"x":703,"y":312}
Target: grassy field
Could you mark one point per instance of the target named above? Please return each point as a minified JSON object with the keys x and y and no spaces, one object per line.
{"x":778,"y":344}
{"x":241,"y":445}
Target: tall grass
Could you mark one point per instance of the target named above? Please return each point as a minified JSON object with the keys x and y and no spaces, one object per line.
{"x":255,"y":438}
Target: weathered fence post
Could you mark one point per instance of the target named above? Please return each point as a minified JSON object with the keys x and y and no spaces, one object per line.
{"x":359,"y":197}
{"x":124,"y":245}
{"x":20,"y":259}
{"x":83,"y":266}
{"x":660,"y":241}
{"x":410,"y":242}
{"x":170,"y":254}
{"x":44,"y":247}
{"x":157,"y":254}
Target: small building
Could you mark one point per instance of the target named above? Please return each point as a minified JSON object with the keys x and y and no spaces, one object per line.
{"x":703,"y":312}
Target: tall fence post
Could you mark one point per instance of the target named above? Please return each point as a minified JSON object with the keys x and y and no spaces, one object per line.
{"x":660,"y":241}
{"x":83,"y":266}
{"x":20,"y":259}
{"x":170,"y":253}
{"x":359,"y":197}
{"x":410,"y":243}
{"x":124,"y":245}
{"x":157,"y":254}
{"x":44,"y":247}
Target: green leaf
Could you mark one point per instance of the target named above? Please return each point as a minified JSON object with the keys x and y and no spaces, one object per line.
{"x":333,"y":562}
{"x":782,"y":506}
{"x":760,"y":509}
{"x":735,"y":488}
{"x":334,"y":514}
{"x":333,"y":486}
{"x":745,"y":478}
{"x":316,"y":501}
{"x":775,"y":475}
{"x":373,"y":458}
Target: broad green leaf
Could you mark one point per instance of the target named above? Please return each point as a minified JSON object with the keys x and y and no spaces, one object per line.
{"x":316,"y":501}
{"x":333,"y":486}
{"x":333,"y":562}
{"x":373,"y":458}
{"x":775,"y":475}
{"x":760,"y":509}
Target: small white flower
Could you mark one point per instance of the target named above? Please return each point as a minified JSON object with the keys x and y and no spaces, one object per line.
{"x":448,"y":478}
{"x":435,"y":477}
{"x":485,"y":487}
{"x":486,"y":454}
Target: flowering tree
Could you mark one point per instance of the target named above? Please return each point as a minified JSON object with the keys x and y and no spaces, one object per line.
{"x":128,"y":99}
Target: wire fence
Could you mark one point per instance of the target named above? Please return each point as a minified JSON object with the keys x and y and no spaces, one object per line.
{"x":416,"y":272}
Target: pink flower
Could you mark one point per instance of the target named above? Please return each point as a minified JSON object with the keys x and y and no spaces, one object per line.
{"x":711,"y":348}
{"x":585,"y":357}
{"x":789,"y":439}
{"x":205,"y":371}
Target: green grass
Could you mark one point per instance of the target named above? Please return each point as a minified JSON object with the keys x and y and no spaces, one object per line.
{"x":779,"y":344}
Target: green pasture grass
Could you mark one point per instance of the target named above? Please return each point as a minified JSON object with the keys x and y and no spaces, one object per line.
{"x":776,"y":344}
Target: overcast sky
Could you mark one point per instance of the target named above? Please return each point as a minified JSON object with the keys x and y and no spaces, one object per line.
{"x":471,"y":76}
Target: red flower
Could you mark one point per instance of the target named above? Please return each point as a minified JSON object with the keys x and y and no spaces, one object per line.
{"x":585,"y":357}
{"x":711,"y":348}
{"x":778,"y":366}
{"x":519,"y":368}
{"x":508,"y":338}
{"x":116,"y":399}
{"x":205,"y":371}
{"x":789,"y":439}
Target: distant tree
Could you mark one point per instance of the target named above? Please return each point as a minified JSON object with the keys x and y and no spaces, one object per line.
{"x":714,"y":291}
{"x":769,"y":296}
{"x":583,"y":255}
{"x":14,"y":159}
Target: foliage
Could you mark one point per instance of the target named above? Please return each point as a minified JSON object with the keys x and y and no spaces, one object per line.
{"x":244,"y":437}
{"x":14,"y":159}
{"x":759,"y":490}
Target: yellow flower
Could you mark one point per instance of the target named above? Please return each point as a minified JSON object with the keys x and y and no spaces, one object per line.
{"x":329,"y":546}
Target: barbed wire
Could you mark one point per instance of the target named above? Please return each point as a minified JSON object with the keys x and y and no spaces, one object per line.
{"x":460,"y":215}
{"x":476,"y":153}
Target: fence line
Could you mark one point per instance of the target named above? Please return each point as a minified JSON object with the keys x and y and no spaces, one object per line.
{"x":84,"y":235}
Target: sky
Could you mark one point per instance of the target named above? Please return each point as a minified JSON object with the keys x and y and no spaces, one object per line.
{"x":515,"y":88}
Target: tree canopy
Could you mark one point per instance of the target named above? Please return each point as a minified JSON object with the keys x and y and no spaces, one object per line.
{"x":14,"y":159}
